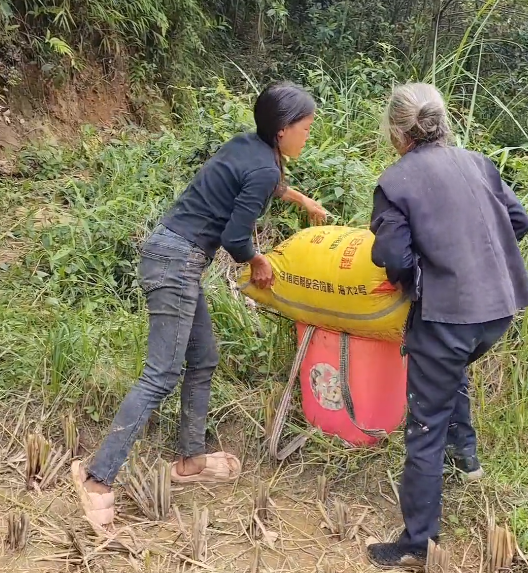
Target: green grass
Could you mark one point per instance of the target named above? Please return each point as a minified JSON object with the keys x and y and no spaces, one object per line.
{"x":73,"y":322}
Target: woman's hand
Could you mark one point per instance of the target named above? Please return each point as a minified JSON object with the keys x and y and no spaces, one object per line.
{"x":261,"y":272}
{"x":316,"y":213}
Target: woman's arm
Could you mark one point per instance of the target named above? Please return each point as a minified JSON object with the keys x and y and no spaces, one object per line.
{"x":316,"y":213}
{"x":236,"y":238}
{"x":392,"y":245}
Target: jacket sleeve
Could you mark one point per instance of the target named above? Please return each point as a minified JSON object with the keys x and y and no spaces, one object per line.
{"x":517,"y":213}
{"x":256,"y":190}
{"x":392,"y":249}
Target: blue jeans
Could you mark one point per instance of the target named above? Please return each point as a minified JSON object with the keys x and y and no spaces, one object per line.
{"x":180,"y":329}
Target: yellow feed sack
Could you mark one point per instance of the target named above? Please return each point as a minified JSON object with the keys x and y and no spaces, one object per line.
{"x":324,"y":276}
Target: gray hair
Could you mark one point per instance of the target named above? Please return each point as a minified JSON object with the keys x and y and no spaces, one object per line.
{"x":416,"y":114}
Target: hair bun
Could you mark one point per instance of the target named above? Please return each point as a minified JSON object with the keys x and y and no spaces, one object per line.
{"x":429,"y":117}
{"x":416,"y":114}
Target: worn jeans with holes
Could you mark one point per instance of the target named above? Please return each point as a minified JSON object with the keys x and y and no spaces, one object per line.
{"x":439,"y":414}
{"x":180,"y":330}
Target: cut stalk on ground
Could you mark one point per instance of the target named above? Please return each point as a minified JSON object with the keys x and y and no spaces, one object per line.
{"x":17,"y":531}
{"x":199,"y":533}
{"x":43,"y":463}
{"x":255,"y":566}
{"x":501,"y":547}
{"x":341,"y":511}
{"x":71,"y":434}
{"x":150,"y":489}
{"x":438,"y":559}
{"x":322,"y":488}
{"x":260,"y":509}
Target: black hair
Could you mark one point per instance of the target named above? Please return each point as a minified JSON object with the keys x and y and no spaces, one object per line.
{"x":278,"y":106}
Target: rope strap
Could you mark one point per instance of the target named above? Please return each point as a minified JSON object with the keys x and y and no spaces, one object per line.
{"x":285,"y":403}
{"x":344,"y":373}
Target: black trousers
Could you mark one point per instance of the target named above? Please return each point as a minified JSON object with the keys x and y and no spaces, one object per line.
{"x":439,"y":410}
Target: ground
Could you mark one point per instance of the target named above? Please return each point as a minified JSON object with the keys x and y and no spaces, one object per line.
{"x":298,"y":534}
{"x":37,"y":110}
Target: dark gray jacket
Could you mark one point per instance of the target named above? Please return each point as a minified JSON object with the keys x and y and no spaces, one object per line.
{"x":226,"y":197}
{"x":448,"y":208}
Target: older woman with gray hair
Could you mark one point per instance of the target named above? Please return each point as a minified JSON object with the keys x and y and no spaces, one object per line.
{"x":447,"y":230}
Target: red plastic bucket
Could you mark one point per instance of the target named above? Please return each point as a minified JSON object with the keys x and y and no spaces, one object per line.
{"x":377,"y":382}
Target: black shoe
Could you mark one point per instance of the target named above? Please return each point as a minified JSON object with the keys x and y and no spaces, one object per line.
{"x":468,"y":466}
{"x":389,"y":555}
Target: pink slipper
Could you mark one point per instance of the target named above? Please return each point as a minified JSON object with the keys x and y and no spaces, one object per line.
{"x":98,"y":507}
{"x":219,"y":467}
